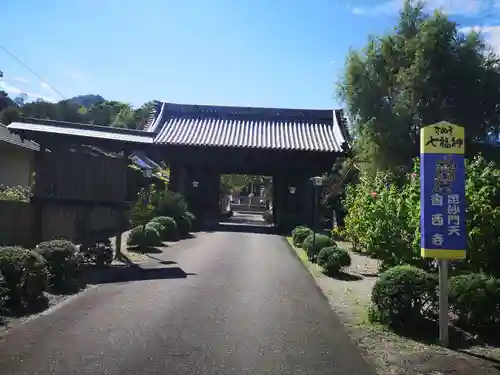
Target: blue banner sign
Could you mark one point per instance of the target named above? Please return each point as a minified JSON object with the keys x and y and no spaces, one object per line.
{"x":442,"y":192}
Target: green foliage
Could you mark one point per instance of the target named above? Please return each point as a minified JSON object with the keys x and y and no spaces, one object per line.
{"x":98,"y":253}
{"x":333,"y":259}
{"x":169,"y":232}
{"x":170,"y":204}
{"x":384,"y":212}
{"x":85,"y":109}
{"x":384,"y":217}
{"x":144,"y":237}
{"x":64,"y":263}
{"x":143,"y":209}
{"x":408,"y":78}
{"x":403,"y":296}
{"x":299,"y":234}
{"x":17,"y":193}
{"x":158,"y":226}
{"x":26,"y":277}
{"x":190,"y":216}
{"x":4,"y":294}
{"x":314,"y":245}
{"x":475,"y":299}
{"x":184,"y":225}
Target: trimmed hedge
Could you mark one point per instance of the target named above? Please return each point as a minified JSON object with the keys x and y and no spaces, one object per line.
{"x":314,"y":246}
{"x":169,"y":231}
{"x":26,"y":277}
{"x":404,"y":296}
{"x":143,"y":237}
{"x":64,"y":263}
{"x":333,"y":259}
{"x":475,"y":299}
{"x":299,"y":234}
{"x":183,"y":225}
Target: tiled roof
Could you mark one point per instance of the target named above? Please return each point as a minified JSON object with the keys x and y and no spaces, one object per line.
{"x":81,"y":130}
{"x":7,"y":136}
{"x":246,"y":127}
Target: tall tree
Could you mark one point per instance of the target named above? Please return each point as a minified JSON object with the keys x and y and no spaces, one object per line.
{"x":423,"y":72}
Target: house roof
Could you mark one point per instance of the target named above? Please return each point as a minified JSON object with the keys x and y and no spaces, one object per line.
{"x":248,"y":127}
{"x":82,"y":130}
{"x":7,"y":136}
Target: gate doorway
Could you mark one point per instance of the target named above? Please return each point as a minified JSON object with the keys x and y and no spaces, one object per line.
{"x":246,"y":200}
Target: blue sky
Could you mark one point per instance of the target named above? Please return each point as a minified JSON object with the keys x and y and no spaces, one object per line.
{"x":271,"y":53}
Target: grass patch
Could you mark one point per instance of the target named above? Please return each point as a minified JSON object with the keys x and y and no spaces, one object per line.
{"x":312,"y":267}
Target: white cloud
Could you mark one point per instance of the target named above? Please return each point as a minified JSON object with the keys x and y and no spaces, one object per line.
{"x":45,"y":86}
{"x":452,"y":7}
{"x":491,"y":34}
{"x":13,"y":90}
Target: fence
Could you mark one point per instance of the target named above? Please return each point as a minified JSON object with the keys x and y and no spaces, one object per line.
{"x":16,"y":223}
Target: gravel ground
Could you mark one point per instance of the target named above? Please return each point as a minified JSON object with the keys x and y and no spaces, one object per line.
{"x":392,"y":354}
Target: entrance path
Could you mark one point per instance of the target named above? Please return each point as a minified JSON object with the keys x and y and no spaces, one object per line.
{"x":222,"y":303}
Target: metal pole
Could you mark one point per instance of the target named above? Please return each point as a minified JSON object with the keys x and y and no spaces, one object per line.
{"x":443,"y":302}
{"x":314,"y":216}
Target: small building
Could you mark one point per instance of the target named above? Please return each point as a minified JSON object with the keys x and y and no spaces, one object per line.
{"x":17,"y":159}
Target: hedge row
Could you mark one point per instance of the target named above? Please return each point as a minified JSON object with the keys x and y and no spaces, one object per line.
{"x":321,"y":249}
{"x":54,"y":266}
{"x":159,"y":229}
{"x":404,"y":296}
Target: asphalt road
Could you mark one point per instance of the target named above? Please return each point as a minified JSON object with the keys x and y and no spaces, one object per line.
{"x":222,"y":303}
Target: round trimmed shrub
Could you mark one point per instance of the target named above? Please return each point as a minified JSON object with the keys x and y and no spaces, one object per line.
{"x":169,"y":227}
{"x":475,"y":299}
{"x":158,"y":226}
{"x":26,"y":277}
{"x":404,"y":296}
{"x":183,"y":225}
{"x":333,"y":259}
{"x":314,"y":246}
{"x":143,"y":237}
{"x":64,"y":263}
{"x":299,"y":234}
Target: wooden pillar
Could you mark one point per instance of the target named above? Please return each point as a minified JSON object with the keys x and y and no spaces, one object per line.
{"x":37,"y":199}
{"x":122,"y":214}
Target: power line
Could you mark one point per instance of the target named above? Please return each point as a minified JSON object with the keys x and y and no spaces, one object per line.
{"x":33,"y":72}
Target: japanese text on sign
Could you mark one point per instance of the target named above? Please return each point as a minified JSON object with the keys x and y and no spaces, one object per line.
{"x":442,"y":193}
{"x":443,"y":138}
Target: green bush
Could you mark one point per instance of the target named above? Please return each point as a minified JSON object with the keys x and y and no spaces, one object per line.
{"x":475,"y":299}
{"x":26,"y":277}
{"x":169,"y":227}
{"x":97,"y":252}
{"x":170,"y":204}
{"x":183,"y":225}
{"x":158,"y":226}
{"x":404,"y":296}
{"x":64,"y":263}
{"x":299,"y":234}
{"x":314,"y":246}
{"x":144,"y":237}
{"x":383,"y":218}
{"x":333,"y":259}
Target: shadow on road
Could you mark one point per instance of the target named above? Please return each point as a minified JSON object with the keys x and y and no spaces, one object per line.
{"x":119,"y":274}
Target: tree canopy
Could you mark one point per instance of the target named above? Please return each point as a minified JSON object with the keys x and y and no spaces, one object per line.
{"x":89,"y":109}
{"x":422,"y":72}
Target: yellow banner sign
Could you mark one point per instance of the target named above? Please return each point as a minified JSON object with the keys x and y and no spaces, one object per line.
{"x":442,"y":138}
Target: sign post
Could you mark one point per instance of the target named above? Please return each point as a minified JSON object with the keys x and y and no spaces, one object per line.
{"x":442,"y":204}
